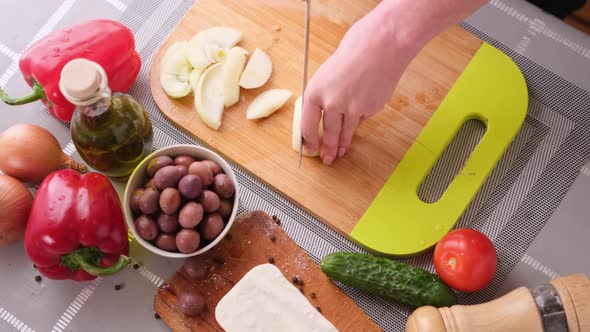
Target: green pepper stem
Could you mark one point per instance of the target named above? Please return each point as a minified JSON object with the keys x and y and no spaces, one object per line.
{"x":37,"y":93}
{"x":97,"y":270}
{"x":88,"y":259}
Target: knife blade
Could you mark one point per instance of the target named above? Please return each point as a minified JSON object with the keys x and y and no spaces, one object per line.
{"x":305,"y":60}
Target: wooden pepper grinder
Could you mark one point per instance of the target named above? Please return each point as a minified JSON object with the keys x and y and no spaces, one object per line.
{"x":563,"y":304}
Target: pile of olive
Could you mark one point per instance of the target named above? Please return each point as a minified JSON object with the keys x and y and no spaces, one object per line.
{"x":184,"y":204}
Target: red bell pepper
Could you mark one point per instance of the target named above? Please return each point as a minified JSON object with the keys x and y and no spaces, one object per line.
{"x":106,"y":42}
{"x":76,"y":229}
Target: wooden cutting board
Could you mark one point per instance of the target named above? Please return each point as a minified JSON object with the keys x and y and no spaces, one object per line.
{"x":255,"y":238}
{"x":338,"y":195}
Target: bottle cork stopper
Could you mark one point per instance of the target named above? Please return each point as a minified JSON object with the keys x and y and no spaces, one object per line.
{"x":81,"y":80}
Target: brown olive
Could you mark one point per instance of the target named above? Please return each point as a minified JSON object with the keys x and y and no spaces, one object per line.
{"x":184,"y":160}
{"x":190,"y":186}
{"x":150,"y":184}
{"x":168,"y":223}
{"x":223,"y":186}
{"x":213,"y":166}
{"x":225,"y":209}
{"x":187,"y":241}
{"x":210,"y":201}
{"x":202,"y":171}
{"x":167,"y":177}
{"x":135,"y":200}
{"x":146,"y":228}
{"x":190,"y":215}
{"x":148,"y":201}
{"x":195,"y":267}
{"x":166,"y":242}
{"x":170,"y":200}
{"x":191,"y":303}
{"x":157,"y":163}
{"x":182,"y":169}
{"x":211,"y":226}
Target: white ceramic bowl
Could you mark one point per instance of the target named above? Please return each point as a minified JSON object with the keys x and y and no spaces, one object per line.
{"x":139,"y":176}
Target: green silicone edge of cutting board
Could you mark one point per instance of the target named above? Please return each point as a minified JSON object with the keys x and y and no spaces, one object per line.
{"x":491,"y":89}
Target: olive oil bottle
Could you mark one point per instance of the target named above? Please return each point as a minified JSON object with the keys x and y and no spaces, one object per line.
{"x":111,"y":131}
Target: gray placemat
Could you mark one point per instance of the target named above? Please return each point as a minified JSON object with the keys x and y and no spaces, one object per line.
{"x":513,"y":208}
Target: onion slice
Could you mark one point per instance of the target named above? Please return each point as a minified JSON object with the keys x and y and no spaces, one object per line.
{"x":267,"y":103}
{"x":257,"y":71}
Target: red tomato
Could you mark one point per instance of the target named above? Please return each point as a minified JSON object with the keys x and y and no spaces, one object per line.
{"x":465,"y":260}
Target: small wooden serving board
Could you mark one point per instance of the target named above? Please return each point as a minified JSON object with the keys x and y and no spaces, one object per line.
{"x":250,"y":243}
{"x":338,"y":195}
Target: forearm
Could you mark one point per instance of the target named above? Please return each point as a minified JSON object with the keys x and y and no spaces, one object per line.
{"x":410,"y":24}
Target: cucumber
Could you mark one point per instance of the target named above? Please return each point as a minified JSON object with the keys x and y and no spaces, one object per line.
{"x":388,"y":278}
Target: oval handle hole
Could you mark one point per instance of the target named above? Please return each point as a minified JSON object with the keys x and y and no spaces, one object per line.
{"x":452,"y":160}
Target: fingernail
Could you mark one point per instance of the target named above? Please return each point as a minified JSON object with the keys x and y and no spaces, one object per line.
{"x":328,"y":160}
{"x":341,"y":152}
{"x":309,"y":149}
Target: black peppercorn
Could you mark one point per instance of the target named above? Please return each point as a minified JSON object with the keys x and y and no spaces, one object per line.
{"x":271,"y":260}
{"x":276,"y":220}
{"x":38,"y":278}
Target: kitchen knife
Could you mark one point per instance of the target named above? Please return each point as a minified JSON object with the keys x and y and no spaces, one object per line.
{"x":305,"y":53}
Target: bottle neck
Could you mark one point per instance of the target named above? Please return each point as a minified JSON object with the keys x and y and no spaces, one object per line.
{"x":101,"y":104}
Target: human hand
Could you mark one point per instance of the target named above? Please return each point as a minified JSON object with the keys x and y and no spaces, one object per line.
{"x":352,"y":85}
{"x":359,"y":78}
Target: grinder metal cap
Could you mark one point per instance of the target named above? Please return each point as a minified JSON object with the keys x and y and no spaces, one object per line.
{"x":83,"y":82}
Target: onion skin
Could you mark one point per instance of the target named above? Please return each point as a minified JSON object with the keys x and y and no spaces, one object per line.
{"x":29,"y":153}
{"x":15,"y":205}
